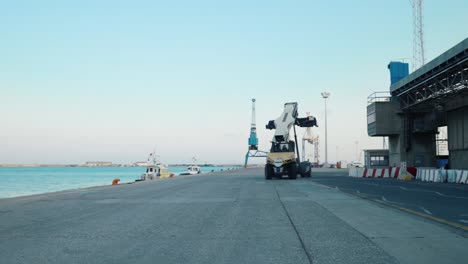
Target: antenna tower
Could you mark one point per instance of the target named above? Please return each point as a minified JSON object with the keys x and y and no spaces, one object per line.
{"x":418,"y":34}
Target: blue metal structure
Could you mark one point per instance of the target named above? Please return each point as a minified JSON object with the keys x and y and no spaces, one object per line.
{"x":253,"y":140}
{"x":398,"y":71}
{"x":253,"y":151}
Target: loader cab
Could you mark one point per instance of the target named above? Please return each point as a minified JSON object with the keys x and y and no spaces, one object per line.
{"x":282,"y":146}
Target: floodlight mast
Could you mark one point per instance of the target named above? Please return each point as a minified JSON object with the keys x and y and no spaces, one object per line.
{"x":325,"y":95}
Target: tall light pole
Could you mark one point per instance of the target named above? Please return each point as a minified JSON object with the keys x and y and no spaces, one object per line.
{"x":325,"y":95}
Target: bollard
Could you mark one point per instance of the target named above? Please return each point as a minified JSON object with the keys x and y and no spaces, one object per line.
{"x":115,"y":181}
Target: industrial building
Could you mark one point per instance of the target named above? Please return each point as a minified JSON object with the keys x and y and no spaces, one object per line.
{"x":418,"y":105}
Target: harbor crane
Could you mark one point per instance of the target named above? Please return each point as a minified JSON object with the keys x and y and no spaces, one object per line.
{"x":253,"y":151}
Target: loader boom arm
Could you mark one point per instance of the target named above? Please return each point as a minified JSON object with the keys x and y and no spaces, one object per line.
{"x":286,"y":120}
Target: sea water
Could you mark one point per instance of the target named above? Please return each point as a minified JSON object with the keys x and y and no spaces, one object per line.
{"x":19,"y":181}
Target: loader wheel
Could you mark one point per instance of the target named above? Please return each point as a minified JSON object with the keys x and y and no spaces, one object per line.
{"x":309,"y":174}
{"x":292,"y":173}
{"x":268,"y":172}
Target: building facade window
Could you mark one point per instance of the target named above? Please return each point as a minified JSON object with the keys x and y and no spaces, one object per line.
{"x":379,"y":161}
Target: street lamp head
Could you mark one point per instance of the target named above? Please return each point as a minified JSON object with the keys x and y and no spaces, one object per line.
{"x":253,"y":100}
{"x":325,"y":94}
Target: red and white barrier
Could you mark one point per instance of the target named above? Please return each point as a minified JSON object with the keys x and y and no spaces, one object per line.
{"x":369,"y":173}
{"x":422,"y":174}
{"x":376,"y":173}
{"x":394,"y":172}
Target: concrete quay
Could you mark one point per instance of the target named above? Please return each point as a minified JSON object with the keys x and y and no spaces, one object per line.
{"x":224,"y":217}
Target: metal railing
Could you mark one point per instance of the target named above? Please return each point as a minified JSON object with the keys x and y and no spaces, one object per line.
{"x":378,"y":97}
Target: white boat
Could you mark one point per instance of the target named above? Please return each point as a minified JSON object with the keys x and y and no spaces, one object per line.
{"x":155,"y":170}
{"x":192,"y":170}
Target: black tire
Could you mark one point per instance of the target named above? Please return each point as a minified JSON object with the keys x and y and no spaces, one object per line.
{"x":268,"y":172}
{"x":304,"y":169}
{"x":309,"y":173}
{"x":292,"y":173}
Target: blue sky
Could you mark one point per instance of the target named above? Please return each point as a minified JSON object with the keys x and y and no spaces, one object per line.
{"x":109,"y":80}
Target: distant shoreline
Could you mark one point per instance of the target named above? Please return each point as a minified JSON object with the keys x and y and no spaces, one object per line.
{"x":107,"y":166}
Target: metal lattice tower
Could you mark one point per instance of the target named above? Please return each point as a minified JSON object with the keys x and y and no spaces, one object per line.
{"x":418,"y":34}
{"x":311,"y":139}
{"x":316,"y":150}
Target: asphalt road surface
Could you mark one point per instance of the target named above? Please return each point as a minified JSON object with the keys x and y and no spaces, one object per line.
{"x":447,"y":202}
{"x":225,"y":217}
